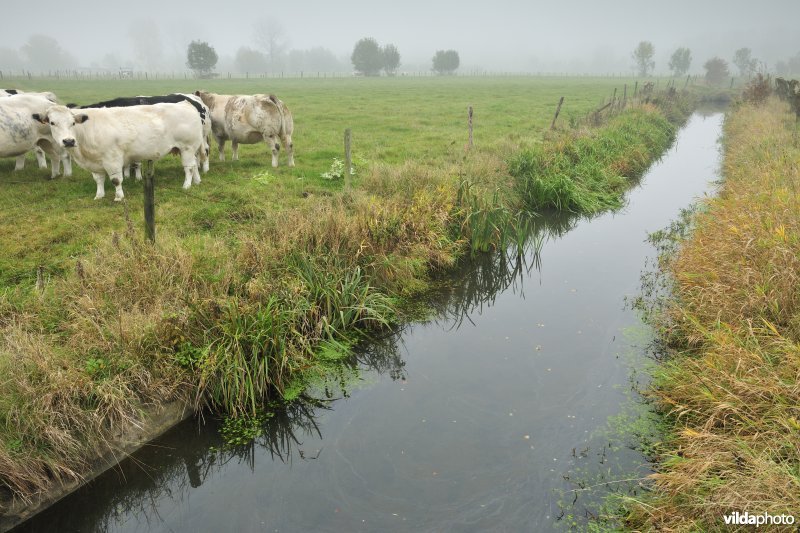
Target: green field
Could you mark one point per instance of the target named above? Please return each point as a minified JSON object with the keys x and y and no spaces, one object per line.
{"x":45,"y":222}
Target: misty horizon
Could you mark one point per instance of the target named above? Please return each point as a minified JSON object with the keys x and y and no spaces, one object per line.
{"x":573,"y":36}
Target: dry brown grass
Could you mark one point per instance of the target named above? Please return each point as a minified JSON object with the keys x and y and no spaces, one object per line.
{"x":732,"y":389}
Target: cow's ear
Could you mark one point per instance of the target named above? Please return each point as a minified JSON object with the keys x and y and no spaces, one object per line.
{"x":197,"y":93}
{"x":38,"y":118}
{"x":80,"y":119}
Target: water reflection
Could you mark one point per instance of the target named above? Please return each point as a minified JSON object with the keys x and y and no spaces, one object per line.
{"x":168,"y":469}
{"x":476,"y":284}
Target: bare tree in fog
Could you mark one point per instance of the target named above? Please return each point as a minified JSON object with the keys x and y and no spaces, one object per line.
{"x":147,"y":44}
{"x":643,"y":58}
{"x":745,"y":62}
{"x":270,"y":35}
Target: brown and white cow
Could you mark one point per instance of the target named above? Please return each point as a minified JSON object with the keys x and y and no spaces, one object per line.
{"x":250,"y":119}
{"x":104,"y":140}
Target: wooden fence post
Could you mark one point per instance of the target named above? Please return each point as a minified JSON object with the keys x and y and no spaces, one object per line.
{"x":149,"y":204}
{"x":469,"y":119}
{"x":348,"y":163}
{"x":558,"y":110}
{"x":40,"y":278}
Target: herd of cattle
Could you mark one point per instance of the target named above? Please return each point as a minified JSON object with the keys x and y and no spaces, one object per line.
{"x":114,"y":136}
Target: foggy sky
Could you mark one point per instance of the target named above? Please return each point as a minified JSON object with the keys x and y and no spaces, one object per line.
{"x":529,"y":36}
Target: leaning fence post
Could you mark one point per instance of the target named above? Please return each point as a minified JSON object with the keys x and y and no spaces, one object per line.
{"x":149,"y":206}
{"x":348,"y":163}
{"x":469,"y":119}
{"x":558,"y":110}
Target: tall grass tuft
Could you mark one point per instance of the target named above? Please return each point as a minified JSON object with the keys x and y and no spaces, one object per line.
{"x":251,"y":350}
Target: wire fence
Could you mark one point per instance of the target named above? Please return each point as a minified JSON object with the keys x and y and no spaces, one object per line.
{"x":140,"y":75}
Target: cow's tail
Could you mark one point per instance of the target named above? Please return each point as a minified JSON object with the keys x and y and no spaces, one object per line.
{"x":285,"y":126}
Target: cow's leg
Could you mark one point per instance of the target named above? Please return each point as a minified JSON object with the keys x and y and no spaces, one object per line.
{"x":287,"y":144}
{"x":20,"y":164}
{"x":189,"y":161}
{"x":116,"y":179}
{"x":99,"y":179}
{"x":221,"y":145}
{"x":66,"y":161}
{"x":126,"y":170}
{"x":273,"y":145}
{"x":114,"y":170}
{"x":234,"y":151}
{"x":40,"y":158}
{"x":202,"y":156}
{"x":55,"y":165}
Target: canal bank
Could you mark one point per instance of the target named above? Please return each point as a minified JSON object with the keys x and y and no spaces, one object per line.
{"x":728,"y":387}
{"x":466,"y":421}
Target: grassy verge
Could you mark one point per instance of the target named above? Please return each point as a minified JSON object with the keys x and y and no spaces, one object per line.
{"x":257,"y":275}
{"x":589,"y":173}
{"x":730,"y":388}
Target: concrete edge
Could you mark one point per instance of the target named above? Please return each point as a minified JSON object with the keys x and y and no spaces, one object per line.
{"x":157,"y":421}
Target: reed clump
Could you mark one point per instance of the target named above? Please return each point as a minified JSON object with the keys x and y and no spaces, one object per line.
{"x":730,"y":388}
{"x":589,"y":172}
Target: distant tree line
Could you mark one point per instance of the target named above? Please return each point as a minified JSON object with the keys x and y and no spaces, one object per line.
{"x":717,"y":69}
{"x":269,"y":51}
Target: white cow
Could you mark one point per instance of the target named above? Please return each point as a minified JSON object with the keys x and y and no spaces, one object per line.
{"x":20,"y":133}
{"x":38,"y":152}
{"x":128,"y":101}
{"x":104,"y":140}
{"x":250,"y":119}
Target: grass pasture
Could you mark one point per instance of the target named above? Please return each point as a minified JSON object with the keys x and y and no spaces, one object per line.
{"x":256,"y":270}
{"x":422,"y":120}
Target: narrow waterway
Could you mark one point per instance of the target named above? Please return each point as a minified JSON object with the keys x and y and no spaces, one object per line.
{"x":466,"y":422}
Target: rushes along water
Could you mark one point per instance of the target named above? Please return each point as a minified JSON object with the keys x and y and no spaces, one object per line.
{"x":478,"y":419}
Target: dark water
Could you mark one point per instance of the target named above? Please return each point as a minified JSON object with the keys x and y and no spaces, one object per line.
{"x":467,"y":422}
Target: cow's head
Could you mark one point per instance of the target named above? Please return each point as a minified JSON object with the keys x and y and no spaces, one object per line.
{"x":207,"y":98}
{"x":62,"y":121}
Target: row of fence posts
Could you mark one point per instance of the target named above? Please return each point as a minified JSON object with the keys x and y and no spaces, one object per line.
{"x":149,"y":188}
